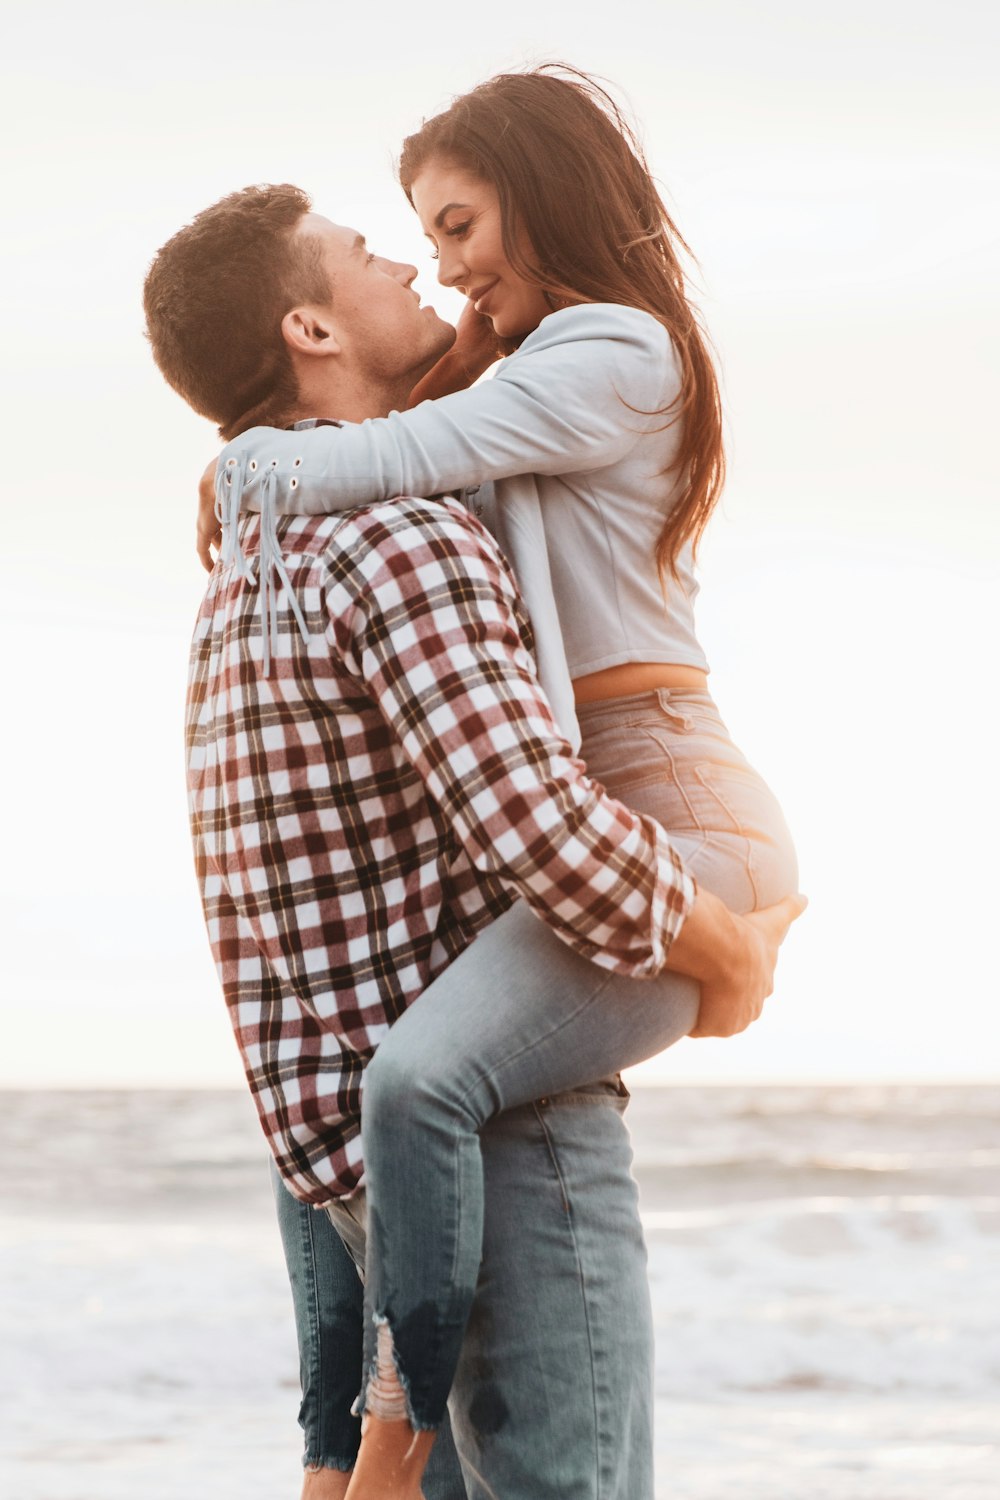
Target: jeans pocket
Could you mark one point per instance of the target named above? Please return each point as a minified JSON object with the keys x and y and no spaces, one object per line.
{"x":631,"y":758}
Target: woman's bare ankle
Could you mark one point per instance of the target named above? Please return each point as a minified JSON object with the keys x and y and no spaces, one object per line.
{"x":390,"y":1462}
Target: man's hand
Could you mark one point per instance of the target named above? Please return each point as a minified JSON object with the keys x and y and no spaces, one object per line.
{"x":730,"y":1004}
{"x":209,"y":530}
{"x":733,"y":958}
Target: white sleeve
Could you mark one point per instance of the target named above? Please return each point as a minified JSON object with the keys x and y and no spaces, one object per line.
{"x":573,"y":397}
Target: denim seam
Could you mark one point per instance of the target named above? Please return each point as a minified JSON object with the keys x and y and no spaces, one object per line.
{"x":703,"y":773}
{"x":581,"y":1282}
{"x":316,"y":1374}
{"x":677,"y":780}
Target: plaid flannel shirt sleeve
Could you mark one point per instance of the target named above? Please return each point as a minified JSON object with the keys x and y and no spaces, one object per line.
{"x":435,"y":636}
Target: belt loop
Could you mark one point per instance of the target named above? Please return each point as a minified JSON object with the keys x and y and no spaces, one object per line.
{"x":680,"y":720}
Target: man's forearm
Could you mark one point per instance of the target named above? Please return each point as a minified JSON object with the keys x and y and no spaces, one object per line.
{"x":710,"y":945}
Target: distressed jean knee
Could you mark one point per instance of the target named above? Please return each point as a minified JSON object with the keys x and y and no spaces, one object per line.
{"x":384,"y":1395}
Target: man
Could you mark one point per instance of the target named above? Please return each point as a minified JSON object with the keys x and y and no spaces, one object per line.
{"x":340,"y":836}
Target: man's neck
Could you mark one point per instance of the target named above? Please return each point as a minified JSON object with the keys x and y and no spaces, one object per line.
{"x":349,"y":403}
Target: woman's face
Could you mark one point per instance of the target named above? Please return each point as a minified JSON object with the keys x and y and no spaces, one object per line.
{"x":460,"y":215}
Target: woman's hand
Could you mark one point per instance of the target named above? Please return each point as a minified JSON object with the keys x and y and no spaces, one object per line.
{"x":209,"y":530}
{"x":474,"y":350}
{"x":476,"y":343}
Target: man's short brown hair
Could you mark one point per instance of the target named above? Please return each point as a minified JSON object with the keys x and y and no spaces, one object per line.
{"x":214,"y":299}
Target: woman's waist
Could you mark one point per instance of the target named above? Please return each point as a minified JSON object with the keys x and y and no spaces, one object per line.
{"x":634,"y":678}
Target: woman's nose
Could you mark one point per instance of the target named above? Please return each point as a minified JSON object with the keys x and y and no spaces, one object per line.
{"x":452,"y":270}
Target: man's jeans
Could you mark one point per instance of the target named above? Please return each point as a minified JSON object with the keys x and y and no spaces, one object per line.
{"x":329,"y":1317}
{"x":553,"y":1393}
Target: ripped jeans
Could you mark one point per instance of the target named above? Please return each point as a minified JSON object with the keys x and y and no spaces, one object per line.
{"x":520,"y":1017}
{"x":552,"y":1393}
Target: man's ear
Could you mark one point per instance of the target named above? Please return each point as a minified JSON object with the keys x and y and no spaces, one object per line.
{"x":309,"y":332}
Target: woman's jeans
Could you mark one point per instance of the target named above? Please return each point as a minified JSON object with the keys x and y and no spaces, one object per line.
{"x":519,"y":1017}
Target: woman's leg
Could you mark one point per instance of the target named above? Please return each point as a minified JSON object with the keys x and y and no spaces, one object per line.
{"x":519,"y":1016}
{"x":327,"y":1296}
{"x":442,"y":1478}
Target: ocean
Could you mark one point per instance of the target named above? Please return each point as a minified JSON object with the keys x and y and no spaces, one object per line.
{"x":824,"y":1265}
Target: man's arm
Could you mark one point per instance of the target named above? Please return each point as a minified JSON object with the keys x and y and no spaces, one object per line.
{"x":437,"y":639}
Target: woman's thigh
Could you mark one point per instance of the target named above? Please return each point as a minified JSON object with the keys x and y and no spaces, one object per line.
{"x":519,"y":1015}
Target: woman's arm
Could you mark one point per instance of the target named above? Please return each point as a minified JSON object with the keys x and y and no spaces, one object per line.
{"x":476,"y":347}
{"x":573,"y":397}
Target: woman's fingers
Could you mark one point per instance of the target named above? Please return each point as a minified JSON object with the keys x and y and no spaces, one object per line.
{"x":209,"y":533}
{"x":205,"y":541}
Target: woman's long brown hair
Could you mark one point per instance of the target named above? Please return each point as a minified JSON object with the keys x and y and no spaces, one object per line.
{"x":571,"y":175}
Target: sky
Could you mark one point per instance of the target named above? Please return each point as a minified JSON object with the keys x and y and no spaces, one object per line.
{"x":834,"y":170}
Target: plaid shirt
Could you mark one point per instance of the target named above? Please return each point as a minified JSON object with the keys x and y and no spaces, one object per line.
{"x":367,"y":807}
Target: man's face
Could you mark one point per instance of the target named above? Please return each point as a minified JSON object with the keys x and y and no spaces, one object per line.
{"x":378,"y":320}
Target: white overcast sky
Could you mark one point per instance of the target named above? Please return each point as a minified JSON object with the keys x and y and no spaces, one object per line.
{"x":833,"y":168}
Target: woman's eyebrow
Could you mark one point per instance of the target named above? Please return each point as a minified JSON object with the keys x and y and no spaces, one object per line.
{"x":447,"y":209}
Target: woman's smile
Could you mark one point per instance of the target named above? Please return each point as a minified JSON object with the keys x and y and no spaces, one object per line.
{"x":460,"y":214}
{"x":479,"y":296}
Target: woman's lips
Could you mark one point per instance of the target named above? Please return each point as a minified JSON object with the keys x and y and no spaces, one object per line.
{"x":481,"y":297}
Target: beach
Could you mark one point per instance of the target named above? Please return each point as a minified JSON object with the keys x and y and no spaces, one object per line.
{"x":823,"y":1261}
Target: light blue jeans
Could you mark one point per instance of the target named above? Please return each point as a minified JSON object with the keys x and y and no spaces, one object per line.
{"x":519,"y":1016}
{"x":552,"y":1394}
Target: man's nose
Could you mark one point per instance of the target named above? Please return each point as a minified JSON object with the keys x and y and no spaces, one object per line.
{"x":403,"y":272}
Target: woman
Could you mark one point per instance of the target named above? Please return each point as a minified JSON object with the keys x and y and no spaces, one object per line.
{"x":602,"y":437}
